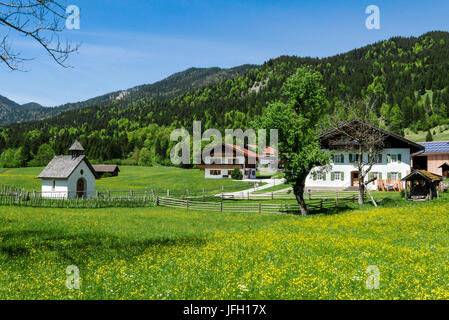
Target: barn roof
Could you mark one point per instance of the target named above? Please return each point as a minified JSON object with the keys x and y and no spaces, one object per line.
{"x":422,"y":174}
{"x":76,"y":146}
{"x":434,"y":147}
{"x":105,"y":168}
{"x":61,"y":167}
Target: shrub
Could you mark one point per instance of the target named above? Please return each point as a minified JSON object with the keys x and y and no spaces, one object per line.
{"x":237,"y":174}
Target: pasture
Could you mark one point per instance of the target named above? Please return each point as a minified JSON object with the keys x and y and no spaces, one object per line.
{"x":164,"y":253}
{"x":134,"y":178}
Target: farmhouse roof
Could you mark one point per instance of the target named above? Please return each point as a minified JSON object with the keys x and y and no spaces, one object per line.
{"x":422,"y":174}
{"x":76,"y":146}
{"x":434,"y":147}
{"x":61,"y":167}
{"x":392,"y":139}
{"x":105,"y":168}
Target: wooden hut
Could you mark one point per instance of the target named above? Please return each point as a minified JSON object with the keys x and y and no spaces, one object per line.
{"x":422,"y":185}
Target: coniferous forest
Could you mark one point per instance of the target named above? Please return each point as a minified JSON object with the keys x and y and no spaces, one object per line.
{"x":409,"y":78}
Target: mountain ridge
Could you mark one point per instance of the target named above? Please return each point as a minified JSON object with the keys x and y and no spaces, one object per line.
{"x":169,"y":87}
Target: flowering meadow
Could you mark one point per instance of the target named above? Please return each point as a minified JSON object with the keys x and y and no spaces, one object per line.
{"x":160,"y":253}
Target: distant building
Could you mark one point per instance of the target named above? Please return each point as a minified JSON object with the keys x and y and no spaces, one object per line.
{"x":268,"y":158}
{"x":434,"y":158}
{"x":220,"y":165}
{"x":69,"y":176}
{"x":103,"y":169}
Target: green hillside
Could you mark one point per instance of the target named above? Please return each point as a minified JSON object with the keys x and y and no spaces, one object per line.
{"x":173,"y":86}
{"x":409,"y":78}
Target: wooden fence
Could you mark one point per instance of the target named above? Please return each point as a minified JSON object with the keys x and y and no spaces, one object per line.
{"x":309,"y":195}
{"x":29,"y":199}
{"x":253,"y":207}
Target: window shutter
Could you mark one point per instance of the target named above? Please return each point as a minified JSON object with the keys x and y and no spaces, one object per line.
{"x":388,"y":158}
{"x":314,"y":176}
{"x":350,"y":157}
{"x":379,"y":175}
{"x":400,"y":176}
{"x":379,"y":158}
{"x":332,"y":176}
{"x":324,"y":176}
{"x":389,"y":175}
{"x":399,"y":157}
{"x":342,"y":176}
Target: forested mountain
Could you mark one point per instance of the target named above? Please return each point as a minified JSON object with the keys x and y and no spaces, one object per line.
{"x":11,"y":111}
{"x":409,"y":77}
{"x":173,"y":86}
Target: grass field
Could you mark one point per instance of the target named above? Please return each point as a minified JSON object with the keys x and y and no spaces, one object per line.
{"x":440,"y":133}
{"x":133,"y":178}
{"x":160,"y":253}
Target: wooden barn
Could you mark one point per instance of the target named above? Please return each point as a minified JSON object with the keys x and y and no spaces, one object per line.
{"x":102,"y":169}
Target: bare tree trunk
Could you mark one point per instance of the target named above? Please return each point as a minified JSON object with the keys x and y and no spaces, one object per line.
{"x":361,"y":190}
{"x":298,"y":190}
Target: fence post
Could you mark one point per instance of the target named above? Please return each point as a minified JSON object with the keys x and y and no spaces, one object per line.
{"x":310,"y":194}
{"x":168,"y":192}
{"x":221,"y":205}
{"x":203,"y":194}
{"x":188,"y":204}
{"x":321,"y":204}
{"x":260,"y":207}
{"x":272,"y":195}
{"x":353,"y":198}
{"x":336,"y":198}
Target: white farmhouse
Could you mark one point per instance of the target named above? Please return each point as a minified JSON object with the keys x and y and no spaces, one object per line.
{"x":69,"y":176}
{"x":229,"y":157}
{"x":392,"y":164}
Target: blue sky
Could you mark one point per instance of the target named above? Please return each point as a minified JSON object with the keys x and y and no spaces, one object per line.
{"x":134,"y":42}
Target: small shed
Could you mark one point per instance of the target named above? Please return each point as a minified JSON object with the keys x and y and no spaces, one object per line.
{"x":103,"y":169}
{"x":422,"y":185}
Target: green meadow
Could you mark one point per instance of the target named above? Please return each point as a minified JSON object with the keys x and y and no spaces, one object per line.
{"x":163,"y":253}
{"x":134,"y":178}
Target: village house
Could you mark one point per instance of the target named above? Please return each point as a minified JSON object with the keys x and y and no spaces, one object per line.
{"x":392,"y":164}
{"x":220,"y":165}
{"x":268,"y":158}
{"x":69,"y":176}
{"x":434,"y":159}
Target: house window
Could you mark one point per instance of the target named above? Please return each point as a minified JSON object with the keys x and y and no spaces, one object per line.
{"x":394,"y":176}
{"x":394,"y":158}
{"x":354,"y":157}
{"x":319,"y":176}
{"x":339,"y":158}
{"x":379,"y":158}
{"x":337,"y":176}
{"x":215,"y":172}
